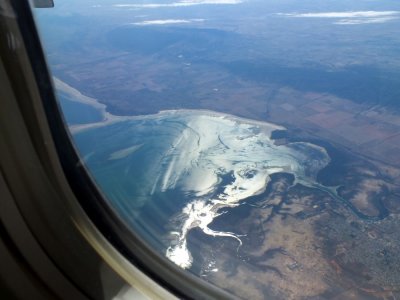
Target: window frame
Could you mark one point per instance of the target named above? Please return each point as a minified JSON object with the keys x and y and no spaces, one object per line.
{"x":65,"y":182}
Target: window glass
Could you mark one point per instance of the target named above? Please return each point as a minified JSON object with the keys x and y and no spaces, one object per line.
{"x":254,"y":143}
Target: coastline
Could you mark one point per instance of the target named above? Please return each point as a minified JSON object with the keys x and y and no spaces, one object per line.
{"x":109,"y":118}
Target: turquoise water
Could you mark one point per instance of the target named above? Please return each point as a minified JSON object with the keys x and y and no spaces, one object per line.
{"x":77,"y":112}
{"x":127,"y":178}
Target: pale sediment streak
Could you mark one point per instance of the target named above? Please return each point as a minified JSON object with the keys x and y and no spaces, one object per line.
{"x":212,"y":147}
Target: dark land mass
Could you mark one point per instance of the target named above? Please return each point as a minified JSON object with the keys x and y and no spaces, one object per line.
{"x":361,"y":84}
{"x":300,"y":243}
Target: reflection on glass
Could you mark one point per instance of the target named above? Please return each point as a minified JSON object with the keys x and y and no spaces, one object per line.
{"x":253,"y":143}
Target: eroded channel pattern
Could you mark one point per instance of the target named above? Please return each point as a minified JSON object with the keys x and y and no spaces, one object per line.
{"x":222,"y":160}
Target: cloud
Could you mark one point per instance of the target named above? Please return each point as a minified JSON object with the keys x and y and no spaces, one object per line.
{"x":167,"y":21}
{"x":364,"y":21}
{"x":351,"y":17}
{"x":181,"y":3}
{"x":349,"y":14}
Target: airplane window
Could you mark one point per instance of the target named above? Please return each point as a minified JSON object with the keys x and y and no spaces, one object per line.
{"x":253,"y":143}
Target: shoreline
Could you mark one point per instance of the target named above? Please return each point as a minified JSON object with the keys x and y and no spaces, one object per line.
{"x":109,"y":118}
